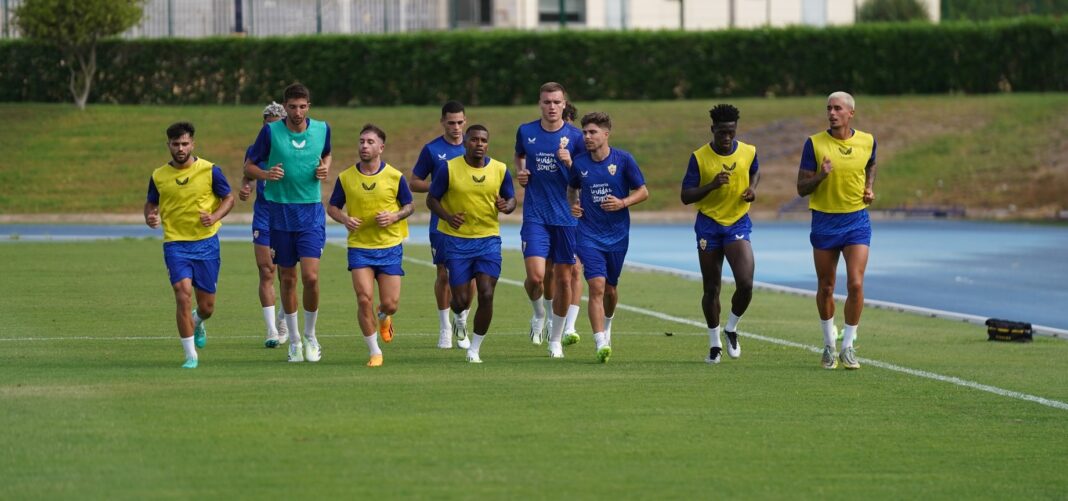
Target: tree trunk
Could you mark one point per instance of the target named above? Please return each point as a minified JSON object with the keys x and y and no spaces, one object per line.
{"x":81,"y":78}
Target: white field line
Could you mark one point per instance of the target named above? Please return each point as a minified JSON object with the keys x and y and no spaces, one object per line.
{"x":1056,"y":404}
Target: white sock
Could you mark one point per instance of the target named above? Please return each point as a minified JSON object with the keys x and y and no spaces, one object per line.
{"x":732,"y":322}
{"x":372,"y":344}
{"x":572,"y":315}
{"x":558,"y":329}
{"x":443,"y":320}
{"x":291,"y":325}
{"x":463,"y":316}
{"x":547,"y":305}
{"x":476,"y":342}
{"x":608,"y":329}
{"x":829,"y":332}
{"x":599,"y":339}
{"x":268,"y":318}
{"x":197,"y":320}
{"x":189,"y":347}
{"x":309,"y":325}
{"x":713,"y":338}
{"x":539,"y":308}
{"x":848,"y":335}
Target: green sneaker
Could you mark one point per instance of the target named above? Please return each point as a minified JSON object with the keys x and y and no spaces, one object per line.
{"x":200,"y":334}
{"x":604,"y":353}
{"x":848,"y":356}
{"x":829,"y":360}
{"x":571,"y":338}
{"x":190,"y":363}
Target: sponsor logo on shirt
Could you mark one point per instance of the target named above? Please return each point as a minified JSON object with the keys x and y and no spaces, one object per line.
{"x":584,"y":173}
{"x":731,"y":168}
{"x":479,"y":180}
{"x":300,"y":145}
{"x":368,"y":188}
{"x":530,"y":140}
{"x":182,"y":182}
{"x":441,"y":156}
{"x":845,"y":151}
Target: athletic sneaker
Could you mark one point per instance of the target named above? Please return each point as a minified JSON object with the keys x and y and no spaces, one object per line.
{"x":445,"y":340}
{"x":472,"y":357}
{"x":200,"y":334}
{"x":459,"y":330}
{"x":272,"y":340}
{"x":556,"y":350}
{"x":603,"y":353}
{"x":312,"y":351}
{"x":829,"y":360}
{"x":536,"y":328}
{"x":733,"y":348}
{"x":714,"y":355}
{"x":296,"y":352}
{"x":848,"y":356}
{"x":385,"y":328}
{"x":280,"y":326}
{"x":571,"y":338}
{"x":375,"y":361}
{"x":190,"y":363}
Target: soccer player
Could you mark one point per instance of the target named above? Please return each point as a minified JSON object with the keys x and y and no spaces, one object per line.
{"x":543,"y":152}
{"x":609,"y":182}
{"x":569,"y":114}
{"x":721,"y":182}
{"x":373,"y":201}
{"x":838,"y":171}
{"x":189,"y":196}
{"x":297,"y":152}
{"x":261,"y":243}
{"x":432,"y":158}
{"x":467,"y":197}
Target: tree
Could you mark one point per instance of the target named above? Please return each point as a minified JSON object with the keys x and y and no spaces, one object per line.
{"x":892,"y":11}
{"x":75,"y":27}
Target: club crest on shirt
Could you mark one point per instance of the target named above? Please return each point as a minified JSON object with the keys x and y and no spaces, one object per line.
{"x":702,"y":243}
{"x":182,"y":182}
{"x":478,"y":179}
{"x":300,"y":145}
{"x":845,"y":151}
{"x":612,"y":169}
{"x":731,"y":168}
{"x":369,"y":188}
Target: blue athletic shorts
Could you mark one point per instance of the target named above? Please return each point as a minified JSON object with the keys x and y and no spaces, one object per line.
{"x":382,"y":261}
{"x":437,"y":248}
{"x":466,"y":257}
{"x":290,"y":246}
{"x":837,"y":231}
{"x":712,"y":235}
{"x":555,"y":243}
{"x":204,"y":272}
{"x":600,"y":263}
{"x":261,"y":236}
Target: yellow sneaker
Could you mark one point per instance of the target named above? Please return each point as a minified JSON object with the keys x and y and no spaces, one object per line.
{"x":375,"y":361}
{"x":385,"y":328}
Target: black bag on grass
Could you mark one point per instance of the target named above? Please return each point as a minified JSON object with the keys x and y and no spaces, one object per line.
{"x":1007,"y":330}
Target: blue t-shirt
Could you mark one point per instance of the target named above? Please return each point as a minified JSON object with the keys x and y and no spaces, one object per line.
{"x":545,"y":198}
{"x":616,"y":175}
{"x":434,"y":156}
{"x":261,"y":215}
{"x":286,"y":216}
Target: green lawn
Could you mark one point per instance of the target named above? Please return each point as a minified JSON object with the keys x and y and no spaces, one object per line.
{"x":93,"y":403}
{"x":984,"y":152}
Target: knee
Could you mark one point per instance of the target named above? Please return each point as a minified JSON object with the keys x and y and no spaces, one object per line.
{"x":205,"y":309}
{"x":288,"y":280}
{"x":388,"y":307}
{"x":309,"y":278}
{"x":485,"y":298}
{"x":826,"y":288}
{"x":365,"y":302}
{"x":855,"y":287}
{"x":744,"y":286}
{"x":266,"y":273}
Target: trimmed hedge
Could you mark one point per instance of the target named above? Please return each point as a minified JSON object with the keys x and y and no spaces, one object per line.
{"x":484,"y":68}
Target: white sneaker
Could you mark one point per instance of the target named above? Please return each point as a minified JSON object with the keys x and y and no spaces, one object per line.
{"x":472,"y":357}
{"x":734,"y":349}
{"x":312,"y":351}
{"x":537,"y":326}
{"x":556,"y":350}
{"x":280,"y":326}
{"x":714,"y":355}
{"x":445,"y":340}
{"x":459,"y":330}
{"x":296,"y":352}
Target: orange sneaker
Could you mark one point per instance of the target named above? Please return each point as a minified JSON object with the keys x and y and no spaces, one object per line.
{"x":385,"y":328}
{"x":375,"y":361}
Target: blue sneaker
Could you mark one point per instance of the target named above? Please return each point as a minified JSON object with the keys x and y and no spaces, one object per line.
{"x":200,"y":334}
{"x":190,"y":363}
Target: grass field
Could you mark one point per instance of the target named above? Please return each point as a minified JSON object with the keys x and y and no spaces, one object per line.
{"x":93,"y":403}
{"x":983,"y":152}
